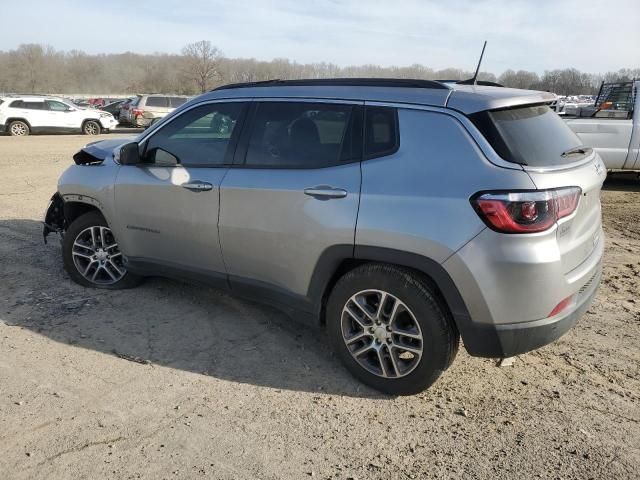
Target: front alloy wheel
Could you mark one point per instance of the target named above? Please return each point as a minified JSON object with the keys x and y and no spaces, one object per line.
{"x":92,"y":256}
{"x":97,"y":257}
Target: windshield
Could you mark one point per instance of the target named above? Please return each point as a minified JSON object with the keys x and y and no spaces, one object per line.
{"x":532,"y":135}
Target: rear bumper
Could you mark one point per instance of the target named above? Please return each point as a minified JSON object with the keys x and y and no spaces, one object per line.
{"x":507,"y":340}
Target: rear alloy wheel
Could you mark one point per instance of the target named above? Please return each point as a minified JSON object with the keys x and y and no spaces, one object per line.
{"x":19,"y":129}
{"x":91,"y":128}
{"x":381,"y":333}
{"x":389,"y":328}
{"x":92,"y":256}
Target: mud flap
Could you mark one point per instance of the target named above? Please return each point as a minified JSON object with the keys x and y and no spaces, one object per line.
{"x":54,"y":221}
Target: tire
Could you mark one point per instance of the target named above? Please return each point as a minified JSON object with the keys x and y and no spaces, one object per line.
{"x":91,"y":127}
{"x":18,"y":128}
{"x":91,"y":256}
{"x":411,"y":310}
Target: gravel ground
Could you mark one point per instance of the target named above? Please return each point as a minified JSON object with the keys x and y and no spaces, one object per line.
{"x":171,"y":380}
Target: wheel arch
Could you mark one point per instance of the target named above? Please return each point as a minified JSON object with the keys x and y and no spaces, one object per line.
{"x":84,"y":122}
{"x":74,"y":209}
{"x":17,"y":119}
{"x":335,"y":262}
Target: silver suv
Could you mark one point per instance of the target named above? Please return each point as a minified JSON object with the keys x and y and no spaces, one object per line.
{"x":398,"y":214}
{"x":143,"y":110}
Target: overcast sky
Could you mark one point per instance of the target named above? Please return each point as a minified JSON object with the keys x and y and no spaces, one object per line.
{"x":593,"y":36}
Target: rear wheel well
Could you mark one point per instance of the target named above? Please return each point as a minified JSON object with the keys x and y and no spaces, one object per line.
{"x":17,"y":119}
{"x":349,"y":264}
{"x":73,"y":210}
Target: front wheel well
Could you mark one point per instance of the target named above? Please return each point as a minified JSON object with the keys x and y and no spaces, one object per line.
{"x":73,"y":210}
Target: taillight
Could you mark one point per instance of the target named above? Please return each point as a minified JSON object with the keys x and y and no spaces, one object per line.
{"x":137,"y":112}
{"x":525,"y":212}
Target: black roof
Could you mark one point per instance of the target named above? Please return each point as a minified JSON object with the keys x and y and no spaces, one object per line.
{"x":340,"y":82}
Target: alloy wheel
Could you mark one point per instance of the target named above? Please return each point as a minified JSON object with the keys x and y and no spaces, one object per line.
{"x":91,"y":128}
{"x":97,"y":257}
{"x":381,"y":333}
{"x":18,"y":129}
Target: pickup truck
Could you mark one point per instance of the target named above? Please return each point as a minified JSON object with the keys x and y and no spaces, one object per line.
{"x":612,"y":125}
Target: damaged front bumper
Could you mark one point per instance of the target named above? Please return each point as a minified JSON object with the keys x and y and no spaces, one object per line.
{"x":54,"y":221}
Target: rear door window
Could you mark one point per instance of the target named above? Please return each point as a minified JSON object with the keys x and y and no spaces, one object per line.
{"x":302,"y":135}
{"x":34,"y":105}
{"x":157,"y":102}
{"x":531,"y":135}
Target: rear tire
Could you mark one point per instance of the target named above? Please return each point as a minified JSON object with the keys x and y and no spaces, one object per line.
{"x":389,"y":329}
{"x":18,"y":128}
{"x":91,"y":127}
{"x":91,"y":255}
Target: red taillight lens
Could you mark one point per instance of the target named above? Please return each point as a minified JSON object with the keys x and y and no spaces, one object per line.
{"x":526,"y":212}
{"x":137,"y":112}
{"x":561,"y":306}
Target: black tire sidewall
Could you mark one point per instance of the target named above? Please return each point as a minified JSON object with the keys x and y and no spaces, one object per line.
{"x":91,"y":219}
{"x":439,"y":337}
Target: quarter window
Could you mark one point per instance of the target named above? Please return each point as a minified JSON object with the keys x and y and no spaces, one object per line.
{"x":156,"y":102}
{"x":381,"y":131}
{"x":198,"y":137}
{"x":301,"y":135}
{"x":176,"y":101}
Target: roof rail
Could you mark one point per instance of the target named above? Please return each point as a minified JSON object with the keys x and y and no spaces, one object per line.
{"x":340,"y":82}
{"x":484,"y":83}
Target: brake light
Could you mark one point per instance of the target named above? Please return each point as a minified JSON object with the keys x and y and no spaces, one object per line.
{"x":525,"y":212}
{"x":137,"y":112}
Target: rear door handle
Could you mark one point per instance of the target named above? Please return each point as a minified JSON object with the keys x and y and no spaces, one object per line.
{"x":325,"y":192}
{"x":198,"y":186}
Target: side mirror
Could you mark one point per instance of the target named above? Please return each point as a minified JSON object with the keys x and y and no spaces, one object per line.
{"x":130,"y":154}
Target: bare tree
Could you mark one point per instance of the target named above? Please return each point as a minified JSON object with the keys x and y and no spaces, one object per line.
{"x":39,"y":68}
{"x":201,"y":63}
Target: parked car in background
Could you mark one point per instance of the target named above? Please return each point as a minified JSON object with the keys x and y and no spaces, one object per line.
{"x":399,"y":214}
{"x":612,"y":125}
{"x":125,"y":109}
{"x":114,"y":108}
{"x":22,"y":115}
{"x":150,"y":107}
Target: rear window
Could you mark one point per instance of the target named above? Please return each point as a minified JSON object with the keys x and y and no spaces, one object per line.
{"x":156,"y":102}
{"x":175,"y":102}
{"x":533,"y":135}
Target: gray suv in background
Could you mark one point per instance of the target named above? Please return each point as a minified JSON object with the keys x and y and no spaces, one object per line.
{"x":144,"y":110}
{"x":398,"y":214}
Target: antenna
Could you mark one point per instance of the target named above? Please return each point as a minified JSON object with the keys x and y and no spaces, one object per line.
{"x":474,"y":80}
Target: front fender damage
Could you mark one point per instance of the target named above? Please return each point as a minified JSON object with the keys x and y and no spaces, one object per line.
{"x":54,"y":221}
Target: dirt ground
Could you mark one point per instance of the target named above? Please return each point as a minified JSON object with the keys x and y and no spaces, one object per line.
{"x":171,"y":380}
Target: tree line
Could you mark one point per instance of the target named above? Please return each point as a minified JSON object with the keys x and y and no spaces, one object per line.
{"x":36,"y":68}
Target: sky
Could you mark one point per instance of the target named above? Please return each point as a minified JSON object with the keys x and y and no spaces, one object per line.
{"x":591,"y":35}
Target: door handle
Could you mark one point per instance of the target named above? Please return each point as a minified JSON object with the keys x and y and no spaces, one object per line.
{"x":325,"y":192}
{"x":198,"y":186}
